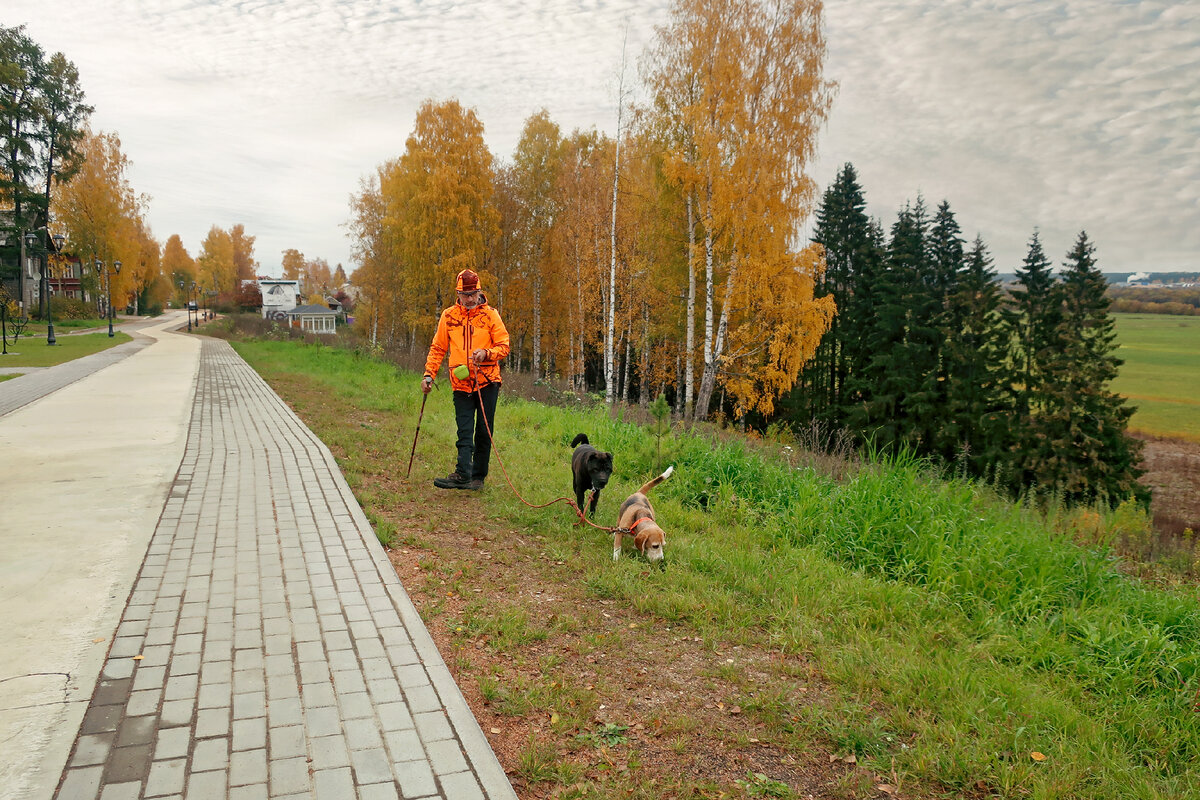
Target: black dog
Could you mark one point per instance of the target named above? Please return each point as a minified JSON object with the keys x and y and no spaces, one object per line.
{"x":590,"y":469}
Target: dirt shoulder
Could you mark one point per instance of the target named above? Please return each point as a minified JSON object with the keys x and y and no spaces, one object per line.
{"x":581,"y":697}
{"x":1173,"y":476}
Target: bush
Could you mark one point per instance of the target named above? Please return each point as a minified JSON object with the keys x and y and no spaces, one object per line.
{"x":70,"y":308}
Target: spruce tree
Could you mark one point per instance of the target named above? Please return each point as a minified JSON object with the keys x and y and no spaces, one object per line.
{"x":1034,"y":315}
{"x":844,"y":230}
{"x":1083,"y":423}
{"x":936,"y":425}
{"x":976,"y":351}
{"x":897,"y":342}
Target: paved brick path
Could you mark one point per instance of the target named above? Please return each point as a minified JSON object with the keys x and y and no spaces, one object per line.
{"x":279,"y":655}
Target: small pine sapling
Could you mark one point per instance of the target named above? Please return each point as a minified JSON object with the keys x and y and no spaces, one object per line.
{"x":662,"y":425}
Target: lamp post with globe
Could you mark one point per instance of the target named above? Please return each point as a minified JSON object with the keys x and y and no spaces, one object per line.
{"x":108,"y":288}
{"x":33,"y":243}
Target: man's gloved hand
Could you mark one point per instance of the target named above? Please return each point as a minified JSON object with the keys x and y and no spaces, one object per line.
{"x":426,"y":384}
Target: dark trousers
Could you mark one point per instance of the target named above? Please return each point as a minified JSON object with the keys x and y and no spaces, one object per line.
{"x":474,"y":445}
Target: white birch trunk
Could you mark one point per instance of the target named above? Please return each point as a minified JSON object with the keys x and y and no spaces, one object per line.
{"x":537,"y":328}
{"x":689,"y":391}
{"x":625,"y":369}
{"x":609,"y":353}
{"x":644,"y":390}
{"x":610,"y":322}
{"x":578,"y":378}
{"x":375,"y":322}
{"x":701,"y":410}
{"x":709,"y":381}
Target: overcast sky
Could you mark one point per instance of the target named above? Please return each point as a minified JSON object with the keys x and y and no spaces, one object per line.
{"x":1057,"y":115}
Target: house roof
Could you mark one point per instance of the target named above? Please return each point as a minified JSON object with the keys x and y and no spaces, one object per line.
{"x":311,"y":310}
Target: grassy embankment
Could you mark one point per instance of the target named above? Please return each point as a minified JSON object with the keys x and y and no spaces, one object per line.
{"x":967,"y":645}
{"x":1161,"y":373}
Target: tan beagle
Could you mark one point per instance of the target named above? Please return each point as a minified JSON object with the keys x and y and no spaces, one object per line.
{"x":636,"y":518}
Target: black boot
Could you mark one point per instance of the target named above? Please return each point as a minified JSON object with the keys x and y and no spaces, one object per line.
{"x":454,"y":480}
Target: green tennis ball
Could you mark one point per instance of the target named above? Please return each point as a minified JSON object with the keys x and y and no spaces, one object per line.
{"x":462,"y":372}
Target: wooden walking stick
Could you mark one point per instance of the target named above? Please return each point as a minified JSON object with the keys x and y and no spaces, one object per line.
{"x":415,"y":435}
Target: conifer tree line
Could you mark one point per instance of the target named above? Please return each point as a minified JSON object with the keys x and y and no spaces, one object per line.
{"x":661,"y":260}
{"x":928,"y":353}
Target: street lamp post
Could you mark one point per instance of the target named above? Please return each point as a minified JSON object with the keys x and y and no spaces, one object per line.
{"x":32,"y":243}
{"x":187,"y":307}
{"x":108,"y":289}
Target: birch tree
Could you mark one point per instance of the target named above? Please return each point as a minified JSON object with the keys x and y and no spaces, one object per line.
{"x":580,"y":240}
{"x":101,"y":213}
{"x":369,"y":248}
{"x":244,"y":264}
{"x":215,"y":265}
{"x":740,"y":82}
{"x":438,"y":214}
{"x":535,"y":173}
{"x":293,"y":264}
{"x":178,"y":265}
{"x":609,"y":351}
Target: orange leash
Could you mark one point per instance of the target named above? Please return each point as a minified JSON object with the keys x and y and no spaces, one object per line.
{"x":487,"y":426}
{"x":568,"y":500}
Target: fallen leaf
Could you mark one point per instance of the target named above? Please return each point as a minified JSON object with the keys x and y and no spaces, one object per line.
{"x":138,"y":657}
{"x":735,"y":709}
{"x":495,"y":730}
{"x":886,"y":788}
{"x":851,"y":759}
{"x":101,"y":639}
{"x":1036,"y":756}
{"x":553,"y":717}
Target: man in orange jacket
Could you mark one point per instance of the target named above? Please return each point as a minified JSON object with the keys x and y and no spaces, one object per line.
{"x":473,"y":334}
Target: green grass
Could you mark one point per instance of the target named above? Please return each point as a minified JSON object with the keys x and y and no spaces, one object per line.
{"x":59,"y":324}
{"x":1161,"y":373}
{"x":32,"y":351}
{"x":961,"y":634}
{"x":10,"y":376}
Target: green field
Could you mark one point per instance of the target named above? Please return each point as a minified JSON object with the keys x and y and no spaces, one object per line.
{"x":1161,"y":373}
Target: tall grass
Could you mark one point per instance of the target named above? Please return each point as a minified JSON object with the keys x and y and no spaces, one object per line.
{"x":961,"y":633}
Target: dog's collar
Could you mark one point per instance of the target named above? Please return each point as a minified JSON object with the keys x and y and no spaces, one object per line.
{"x":634,"y":526}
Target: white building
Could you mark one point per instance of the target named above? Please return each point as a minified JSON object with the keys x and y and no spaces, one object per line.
{"x":279,"y":296}
{"x":314,"y":319}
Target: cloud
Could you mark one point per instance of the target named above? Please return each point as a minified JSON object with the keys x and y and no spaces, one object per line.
{"x":1061,"y":116}
{"x":1022,"y":113}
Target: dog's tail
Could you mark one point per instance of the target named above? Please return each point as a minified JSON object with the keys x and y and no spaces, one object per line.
{"x":656,"y":481}
{"x":580,"y":439}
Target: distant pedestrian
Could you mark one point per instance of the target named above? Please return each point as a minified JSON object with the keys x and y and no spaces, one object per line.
{"x":473,"y":334}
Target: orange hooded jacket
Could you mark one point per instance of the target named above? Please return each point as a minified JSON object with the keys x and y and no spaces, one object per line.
{"x":461,"y":331}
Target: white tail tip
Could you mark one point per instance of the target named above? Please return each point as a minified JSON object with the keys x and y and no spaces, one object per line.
{"x":670,"y":469}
